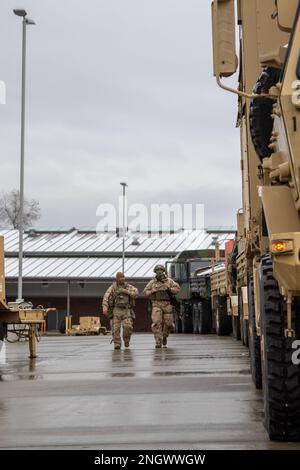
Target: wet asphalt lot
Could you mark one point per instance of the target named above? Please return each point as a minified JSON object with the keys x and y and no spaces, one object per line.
{"x":81,"y":394}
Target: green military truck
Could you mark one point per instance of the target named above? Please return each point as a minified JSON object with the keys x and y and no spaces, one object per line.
{"x":194,"y":290}
{"x":192,"y":270}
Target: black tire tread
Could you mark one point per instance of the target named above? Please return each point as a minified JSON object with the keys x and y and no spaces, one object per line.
{"x":261,"y":122}
{"x":236,"y":328}
{"x":177,"y":323}
{"x":254,"y":342}
{"x":205,"y":319}
{"x":224,"y":326}
{"x":281,"y":378}
{"x":195,"y":318}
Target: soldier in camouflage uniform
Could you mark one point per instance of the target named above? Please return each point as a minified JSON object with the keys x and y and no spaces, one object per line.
{"x":158,"y":290}
{"x":119,"y":299}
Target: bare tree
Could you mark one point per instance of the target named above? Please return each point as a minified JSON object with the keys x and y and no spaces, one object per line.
{"x":10,"y":210}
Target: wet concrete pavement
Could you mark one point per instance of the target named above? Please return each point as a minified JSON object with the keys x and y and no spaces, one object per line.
{"x":80,"y":393}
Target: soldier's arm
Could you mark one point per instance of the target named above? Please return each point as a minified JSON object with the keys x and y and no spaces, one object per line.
{"x":105,"y":302}
{"x":133,"y":292}
{"x":148,"y":289}
{"x":173,"y":286}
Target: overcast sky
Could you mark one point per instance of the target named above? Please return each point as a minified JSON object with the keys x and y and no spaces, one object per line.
{"x":117,"y":90}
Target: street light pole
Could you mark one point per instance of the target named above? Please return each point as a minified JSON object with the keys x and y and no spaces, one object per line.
{"x":26,"y":21}
{"x":20,"y":280}
{"x":124,"y":228}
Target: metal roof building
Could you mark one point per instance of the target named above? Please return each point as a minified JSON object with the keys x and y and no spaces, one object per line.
{"x":77,"y":254}
{"x":71,"y":269}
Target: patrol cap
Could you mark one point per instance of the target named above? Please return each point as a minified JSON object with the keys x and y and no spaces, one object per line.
{"x":159,"y":267}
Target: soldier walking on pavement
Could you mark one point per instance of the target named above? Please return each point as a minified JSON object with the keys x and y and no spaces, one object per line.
{"x":159,"y":290}
{"x":119,"y":300}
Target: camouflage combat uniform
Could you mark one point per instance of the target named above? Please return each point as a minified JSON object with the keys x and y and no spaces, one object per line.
{"x":122,"y":312}
{"x":162,"y":310}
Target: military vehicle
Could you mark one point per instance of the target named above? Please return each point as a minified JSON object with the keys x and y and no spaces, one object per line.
{"x":87,"y":326}
{"x":191,"y":269}
{"x":223,"y":299}
{"x":184,"y":269}
{"x":19,"y":319}
{"x":267,"y":258}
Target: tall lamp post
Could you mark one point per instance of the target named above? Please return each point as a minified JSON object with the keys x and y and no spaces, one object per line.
{"x":125,"y":185}
{"x":26,"y":21}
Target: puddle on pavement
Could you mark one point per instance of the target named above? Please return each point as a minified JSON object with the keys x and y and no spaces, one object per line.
{"x":105,"y":375}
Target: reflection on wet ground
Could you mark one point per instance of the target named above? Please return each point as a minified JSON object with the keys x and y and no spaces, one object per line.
{"x":80,"y":393}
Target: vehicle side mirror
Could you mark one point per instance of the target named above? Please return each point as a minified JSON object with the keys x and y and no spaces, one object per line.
{"x":224,"y":43}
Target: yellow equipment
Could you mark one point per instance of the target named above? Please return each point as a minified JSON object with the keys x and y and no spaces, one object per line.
{"x":87,"y":326}
{"x":25,"y":321}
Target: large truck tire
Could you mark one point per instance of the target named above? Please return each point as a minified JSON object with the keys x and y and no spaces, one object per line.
{"x":186,"y":324}
{"x":186,"y":318}
{"x":195,"y":318}
{"x":261,"y":122}
{"x":205,"y":317}
{"x":236,"y":327}
{"x":2,"y":332}
{"x":223,"y":321}
{"x":62,"y":327}
{"x":245,"y":332}
{"x":281,"y":378}
{"x":177,"y":323}
{"x":254,"y":341}
{"x":243,"y":322}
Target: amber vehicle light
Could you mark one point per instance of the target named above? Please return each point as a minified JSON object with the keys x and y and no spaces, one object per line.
{"x":282,"y":246}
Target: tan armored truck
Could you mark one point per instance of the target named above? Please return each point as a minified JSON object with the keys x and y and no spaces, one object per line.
{"x":268,"y":252}
{"x":229,"y":291}
{"x":224,"y":301}
{"x":19,"y":319}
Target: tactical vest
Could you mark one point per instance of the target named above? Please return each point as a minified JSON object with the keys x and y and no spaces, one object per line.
{"x":160,"y":295}
{"x":121,"y":300}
